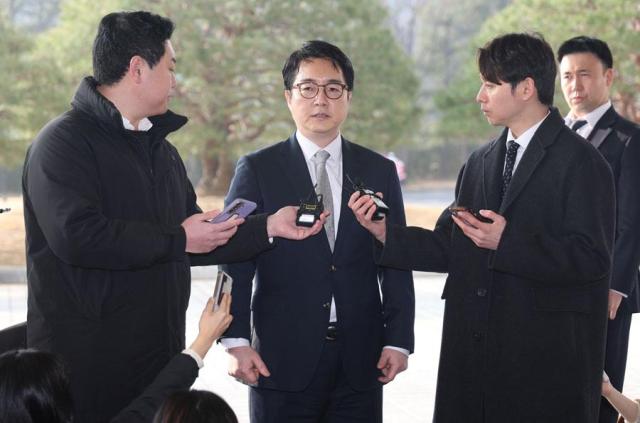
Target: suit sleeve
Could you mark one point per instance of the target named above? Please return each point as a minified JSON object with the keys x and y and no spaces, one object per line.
{"x":63,"y":189}
{"x":397,"y":285}
{"x":626,"y":255}
{"x":579,"y":251}
{"x":178,"y":375}
{"x":244,"y":185}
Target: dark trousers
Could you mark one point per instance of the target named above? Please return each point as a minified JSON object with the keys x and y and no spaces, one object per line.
{"x":327,"y":399}
{"x":615,"y":361}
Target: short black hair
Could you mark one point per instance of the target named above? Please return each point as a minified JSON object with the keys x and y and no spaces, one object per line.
{"x":34,"y":387}
{"x":514,"y":57}
{"x":584,"y":44}
{"x":122,"y":35}
{"x":195,"y":407}
{"x":316,"y":49}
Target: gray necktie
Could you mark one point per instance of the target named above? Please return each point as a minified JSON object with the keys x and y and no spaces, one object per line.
{"x":323,"y":187}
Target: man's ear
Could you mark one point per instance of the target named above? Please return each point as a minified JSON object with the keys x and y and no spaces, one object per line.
{"x":137,"y":65}
{"x":609,"y":74}
{"x":287,"y":96}
{"x":528,"y":88}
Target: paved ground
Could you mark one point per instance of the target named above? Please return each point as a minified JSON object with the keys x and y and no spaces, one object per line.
{"x":409,"y":399}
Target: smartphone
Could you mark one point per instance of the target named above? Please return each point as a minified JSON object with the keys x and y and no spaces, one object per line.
{"x":238,"y":207}
{"x":223,"y":285}
{"x":455,"y":209}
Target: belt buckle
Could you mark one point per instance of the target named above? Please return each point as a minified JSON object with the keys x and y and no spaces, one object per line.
{"x":332,"y":333}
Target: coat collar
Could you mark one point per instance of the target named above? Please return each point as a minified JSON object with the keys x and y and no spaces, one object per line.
{"x":493,"y":162}
{"x":603,"y":127}
{"x":88,"y":100}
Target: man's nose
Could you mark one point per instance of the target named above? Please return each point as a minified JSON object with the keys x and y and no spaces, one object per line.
{"x":321,"y":97}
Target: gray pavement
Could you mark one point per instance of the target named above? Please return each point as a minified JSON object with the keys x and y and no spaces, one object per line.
{"x":408,"y":399}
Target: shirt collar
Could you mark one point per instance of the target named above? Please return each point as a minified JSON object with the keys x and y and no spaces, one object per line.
{"x":144,"y":124}
{"x":309,"y":148}
{"x":525,"y":138}
{"x":592,"y":117}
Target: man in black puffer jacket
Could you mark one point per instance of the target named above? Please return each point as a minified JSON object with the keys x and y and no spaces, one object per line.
{"x":111,"y":216}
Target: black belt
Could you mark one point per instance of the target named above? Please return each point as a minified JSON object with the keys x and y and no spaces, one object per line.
{"x":332,"y":332}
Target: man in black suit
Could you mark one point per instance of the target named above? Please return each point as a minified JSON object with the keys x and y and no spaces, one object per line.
{"x":526,"y":296}
{"x":586,"y":75}
{"x":322,"y":340}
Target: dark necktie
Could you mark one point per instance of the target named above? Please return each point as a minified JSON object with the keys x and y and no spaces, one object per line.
{"x":512,"y":151}
{"x":323,"y":187}
{"x":578,"y":124}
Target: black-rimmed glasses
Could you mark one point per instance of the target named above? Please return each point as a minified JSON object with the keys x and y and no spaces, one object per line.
{"x":309,"y":90}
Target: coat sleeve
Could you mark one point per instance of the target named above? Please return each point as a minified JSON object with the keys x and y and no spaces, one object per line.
{"x":414,"y":248}
{"x":178,"y":375}
{"x":62,"y":187}
{"x":244,"y":185}
{"x":398,"y":297}
{"x":626,"y":255}
{"x":580,"y":251}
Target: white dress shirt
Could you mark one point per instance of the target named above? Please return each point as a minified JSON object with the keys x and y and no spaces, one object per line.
{"x":524,"y":139}
{"x":144,"y":125}
{"x":592,"y":119}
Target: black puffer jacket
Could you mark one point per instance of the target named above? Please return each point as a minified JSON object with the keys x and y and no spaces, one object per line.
{"x":109,"y":280}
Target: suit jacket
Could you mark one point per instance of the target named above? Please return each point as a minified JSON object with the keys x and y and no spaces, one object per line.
{"x":524,"y":325}
{"x":618,"y":140}
{"x":288,"y":315}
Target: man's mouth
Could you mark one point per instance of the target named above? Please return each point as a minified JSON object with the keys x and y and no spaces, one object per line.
{"x":320,"y":115}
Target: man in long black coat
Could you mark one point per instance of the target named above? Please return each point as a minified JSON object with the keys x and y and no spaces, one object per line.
{"x":110,"y":216}
{"x":526,"y":295}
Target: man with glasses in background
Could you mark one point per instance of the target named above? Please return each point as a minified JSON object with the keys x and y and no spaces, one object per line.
{"x":316,"y":341}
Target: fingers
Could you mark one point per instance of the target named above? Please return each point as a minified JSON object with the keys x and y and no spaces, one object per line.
{"x":388,"y":368}
{"x":225,"y":304}
{"x":208,"y":215}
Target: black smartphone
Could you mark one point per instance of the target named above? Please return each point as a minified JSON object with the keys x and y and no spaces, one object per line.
{"x":455,"y":209}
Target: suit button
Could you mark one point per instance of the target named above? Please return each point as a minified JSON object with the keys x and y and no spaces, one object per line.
{"x":326,"y":305}
{"x":333,"y":268}
{"x":477,"y":336}
{"x":482,"y":292}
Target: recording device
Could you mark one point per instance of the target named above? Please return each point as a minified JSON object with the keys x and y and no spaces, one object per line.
{"x":224,"y":283}
{"x":238,"y":207}
{"x":8,"y":209}
{"x":382,"y":209}
{"x":455,"y":209}
{"x":310,"y":210}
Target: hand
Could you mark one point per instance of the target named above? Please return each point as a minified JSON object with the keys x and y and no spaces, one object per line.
{"x":614,"y":302}
{"x":391,"y":363}
{"x":246,"y":365}
{"x":203,"y":236}
{"x":607,"y":387}
{"x":363,"y":208}
{"x":283,"y":224}
{"x":212,"y":325}
{"x":484,"y":235}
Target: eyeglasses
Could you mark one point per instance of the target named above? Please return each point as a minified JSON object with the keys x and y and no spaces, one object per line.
{"x":309,"y":90}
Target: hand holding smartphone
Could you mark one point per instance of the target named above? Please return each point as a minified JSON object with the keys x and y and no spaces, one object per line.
{"x":456,"y":209}
{"x":238,"y":207}
{"x":223,"y":285}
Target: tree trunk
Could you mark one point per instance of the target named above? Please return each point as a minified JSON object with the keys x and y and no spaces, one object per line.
{"x":216,"y":175}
